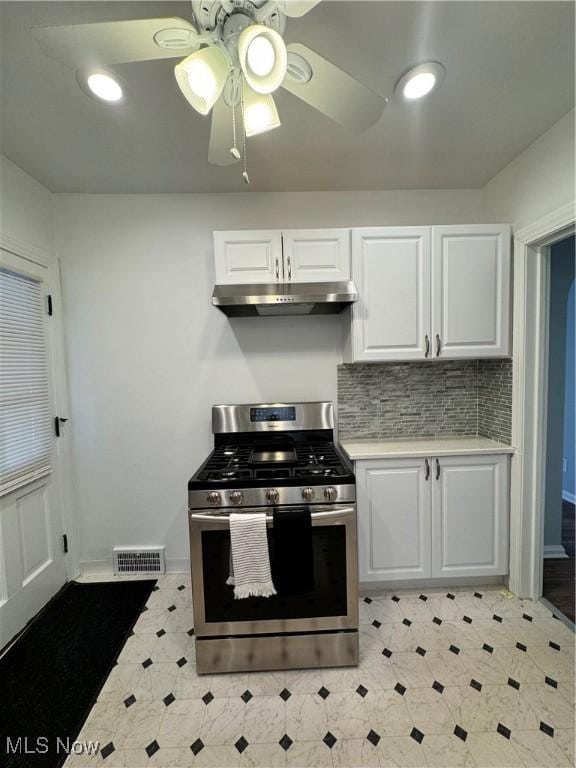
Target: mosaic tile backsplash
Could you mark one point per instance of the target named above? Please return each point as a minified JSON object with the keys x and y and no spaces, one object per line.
{"x":495,"y":399}
{"x":421,"y":399}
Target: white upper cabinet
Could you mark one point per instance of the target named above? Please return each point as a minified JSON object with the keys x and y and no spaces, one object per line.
{"x":248,"y":256}
{"x":430,"y":293}
{"x":391,"y":270}
{"x":268,"y":256}
{"x":470,"y":516}
{"x":470,"y":291}
{"x":314,"y":255}
{"x":393,"y":519}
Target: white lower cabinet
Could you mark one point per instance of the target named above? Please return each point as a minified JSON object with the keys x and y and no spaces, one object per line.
{"x":393,"y":519}
{"x":427,"y":517}
{"x":470,"y":516}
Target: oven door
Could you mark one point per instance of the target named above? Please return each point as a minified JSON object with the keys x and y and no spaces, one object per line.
{"x":331,"y":604}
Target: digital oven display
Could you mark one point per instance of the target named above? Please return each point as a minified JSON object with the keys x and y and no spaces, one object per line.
{"x":273,"y":414}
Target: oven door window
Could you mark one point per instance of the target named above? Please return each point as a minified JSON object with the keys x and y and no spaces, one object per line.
{"x":327,"y":596}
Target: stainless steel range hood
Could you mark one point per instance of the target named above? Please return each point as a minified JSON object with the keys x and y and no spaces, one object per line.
{"x":284,"y":298}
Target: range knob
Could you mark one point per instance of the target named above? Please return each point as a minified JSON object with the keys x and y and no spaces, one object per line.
{"x":308,"y":494}
{"x":272,"y":496}
{"x":236,"y":497}
{"x":330,"y":493}
{"x":213,"y":498}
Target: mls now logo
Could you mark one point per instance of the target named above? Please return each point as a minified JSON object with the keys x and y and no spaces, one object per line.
{"x":23,"y":745}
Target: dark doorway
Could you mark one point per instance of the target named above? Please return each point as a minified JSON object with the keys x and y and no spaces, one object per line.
{"x":558,"y":582}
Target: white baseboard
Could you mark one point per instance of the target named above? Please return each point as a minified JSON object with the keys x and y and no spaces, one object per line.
{"x":554,"y":551}
{"x":177,"y":565}
{"x":106,"y":567}
{"x":366,"y":587}
{"x":567,"y":496}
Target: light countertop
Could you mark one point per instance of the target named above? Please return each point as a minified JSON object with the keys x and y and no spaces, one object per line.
{"x":357,"y":449}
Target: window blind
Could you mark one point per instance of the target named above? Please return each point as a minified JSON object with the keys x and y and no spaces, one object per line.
{"x":25,"y":411}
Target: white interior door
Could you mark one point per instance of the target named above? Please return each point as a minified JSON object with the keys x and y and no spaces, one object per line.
{"x":32,"y":561}
{"x":391,"y":269}
{"x":471,"y":291}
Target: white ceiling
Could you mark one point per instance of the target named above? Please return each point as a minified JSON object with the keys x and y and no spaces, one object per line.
{"x":510,"y":76}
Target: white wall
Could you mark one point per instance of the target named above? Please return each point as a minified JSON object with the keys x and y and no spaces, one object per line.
{"x":540,"y":180}
{"x":25,"y":208}
{"x":148,"y":354}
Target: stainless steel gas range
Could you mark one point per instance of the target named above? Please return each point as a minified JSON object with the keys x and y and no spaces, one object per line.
{"x":275,"y":456}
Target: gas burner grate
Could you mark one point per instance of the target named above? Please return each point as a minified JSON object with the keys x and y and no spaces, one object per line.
{"x":318,"y":471}
{"x":228,"y":474}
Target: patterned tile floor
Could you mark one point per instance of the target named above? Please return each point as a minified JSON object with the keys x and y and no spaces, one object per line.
{"x":468,"y":678}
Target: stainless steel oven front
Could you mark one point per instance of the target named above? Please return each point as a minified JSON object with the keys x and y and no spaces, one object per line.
{"x":317,"y":628}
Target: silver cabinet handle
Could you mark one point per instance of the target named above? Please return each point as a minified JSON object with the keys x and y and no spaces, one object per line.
{"x":437,"y":469}
{"x":289,"y":268}
{"x":277,"y":268}
{"x":427,"y":466}
{"x":438,"y":346}
{"x":427,"y":343}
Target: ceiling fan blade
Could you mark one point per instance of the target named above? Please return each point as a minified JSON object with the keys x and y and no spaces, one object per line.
{"x":221,"y":139}
{"x":334,"y":92}
{"x":296,"y":8}
{"x":113,"y":42}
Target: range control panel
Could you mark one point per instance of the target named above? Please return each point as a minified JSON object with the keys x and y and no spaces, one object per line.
{"x":285,"y":413}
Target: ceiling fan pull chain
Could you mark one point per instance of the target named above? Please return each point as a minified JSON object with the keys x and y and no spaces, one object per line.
{"x":234,"y":149}
{"x":245,"y":171}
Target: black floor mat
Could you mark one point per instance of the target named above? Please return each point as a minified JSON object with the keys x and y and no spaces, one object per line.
{"x":51,"y":677}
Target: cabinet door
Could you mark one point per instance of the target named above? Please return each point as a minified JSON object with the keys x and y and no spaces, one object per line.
{"x":316,"y":255}
{"x":391,"y":269}
{"x":470,"y":516}
{"x":248,"y":256}
{"x":393,"y":519}
{"x":470,"y":291}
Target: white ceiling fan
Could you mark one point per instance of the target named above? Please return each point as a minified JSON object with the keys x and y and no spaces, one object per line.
{"x":233,"y":57}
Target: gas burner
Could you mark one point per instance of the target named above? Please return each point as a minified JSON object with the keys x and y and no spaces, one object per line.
{"x":227,"y":475}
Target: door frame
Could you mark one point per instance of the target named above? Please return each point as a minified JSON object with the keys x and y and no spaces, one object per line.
{"x":529,"y":396}
{"x":65,"y":478}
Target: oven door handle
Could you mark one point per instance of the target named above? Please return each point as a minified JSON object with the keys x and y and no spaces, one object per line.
{"x":203,"y":517}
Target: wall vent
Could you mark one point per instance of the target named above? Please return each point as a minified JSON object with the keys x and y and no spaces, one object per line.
{"x":133,"y":560}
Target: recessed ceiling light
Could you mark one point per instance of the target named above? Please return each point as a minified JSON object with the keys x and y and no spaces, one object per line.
{"x":101,"y":84}
{"x":420,"y":81}
{"x":104,"y":86}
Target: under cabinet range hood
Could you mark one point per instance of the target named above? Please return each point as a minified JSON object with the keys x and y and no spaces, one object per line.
{"x":284,"y":298}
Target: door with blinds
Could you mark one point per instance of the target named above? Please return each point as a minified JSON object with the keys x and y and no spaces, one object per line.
{"x":32,"y":566}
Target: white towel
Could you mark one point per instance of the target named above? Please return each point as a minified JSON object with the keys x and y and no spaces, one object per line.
{"x":250,"y":560}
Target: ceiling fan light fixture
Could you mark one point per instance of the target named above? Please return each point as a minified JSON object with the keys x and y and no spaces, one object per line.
{"x":202,"y":76}
{"x":263,"y":57}
{"x":260,"y":113}
{"x":419,"y":81}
